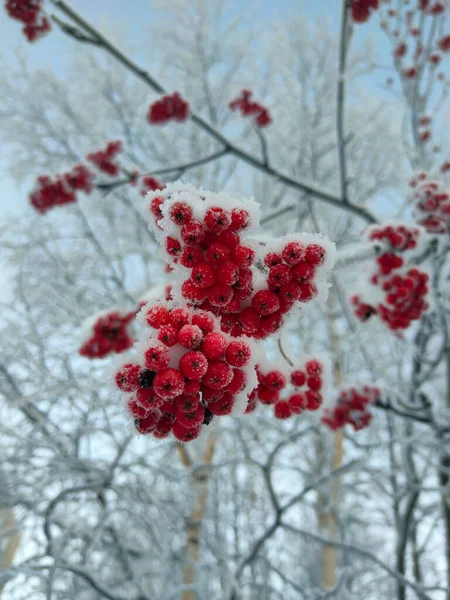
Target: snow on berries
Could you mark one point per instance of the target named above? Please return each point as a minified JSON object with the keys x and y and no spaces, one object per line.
{"x":107,"y":333}
{"x":361,"y":10}
{"x":249,"y":108}
{"x":168,"y":108}
{"x":396,"y":291}
{"x":62,"y":189}
{"x":431,"y":198}
{"x":104,"y":160}
{"x":352,"y":408}
{"x":293,"y":391}
{"x":184,"y":371}
{"x":29,"y":12}
{"x":224,"y":268}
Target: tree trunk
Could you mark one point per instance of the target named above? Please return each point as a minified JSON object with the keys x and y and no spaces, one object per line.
{"x":328,"y":505}
{"x":8,"y":524}
{"x":199,"y":483}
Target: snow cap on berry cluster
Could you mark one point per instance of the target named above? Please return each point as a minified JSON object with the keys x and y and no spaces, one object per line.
{"x":394,"y":289}
{"x":250,"y":282}
{"x":184,"y":371}
{"x":291,"y":391}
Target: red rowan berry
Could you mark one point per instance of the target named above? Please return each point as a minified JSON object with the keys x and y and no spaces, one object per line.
{"x":298,"y":378}
{"x":184,"y":434}
{"x":214,"y":345}
{"x":315,"y":254}
{"x":228,"y":273}
{"x":243,"y":256}
{"x":238,"y":383}
{"x":168,"y":383}
{"x":191,"y":256}
{"x":240,"y":219}
{"x":218,"y":375}
{"x":238,"y":354}
{"x":157,"y":358}
{"x":217,"y":254}
{"x":204,"y":320}
{"x":190,"y":336}
{"x":217,"y":219}
{"x":168,"y":335}
{"x":180,"y":213}
{"x":127,"y":378}
{"x":203,"y":275}
{"x":265,"y":302}
{"x":220,"y":294}
{"x":194,"y":365}
{"x":293,"y":253}
{"x":282,"y":410}
{"x":192,"y":232}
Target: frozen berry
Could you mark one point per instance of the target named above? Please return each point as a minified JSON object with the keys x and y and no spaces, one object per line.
{"x":298,"y":378}
{"x":157,"y":358}
{"x":181,"y":213}
{"x":297,"y":403}
{"x":193,"y":365}
{"x":157,"y":316}
{"x":228,"y":273}
{"x":203,"y":275}
{"x":265,"y":302}
{"x":220,"y":294}
{"x":238,"y":383}
{"x":179,"y":317}
{"x":275,"y":380}
{"x":183,"y":434}
{"x":240,"y":219}
{"x":217,"y":219}
{"x":222,"y":407}
{"x":190,"y":336}
{"x":243,"y":256}
{"x":282,"y":410}
{"x":191,"y":256}
{"x":191,"y":419}
{"x":173,"y":246}
{"x":192,"y":232}
{"x":238,"y":354}
{"x":214,"y":346}
{"x":217,"y":254}
{"x":218,"y":375}
{"x":127,"y":378}
{"x":315,"y":254}
{"x":204,"y":320}
{"x":272,"y":259}
{"x":293,"y":253}
{"x":168,"y":383}
{"x":168,"y":335}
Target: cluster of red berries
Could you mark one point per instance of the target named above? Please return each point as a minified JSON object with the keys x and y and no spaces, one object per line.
{"x":431,"y":8}
{"x":29,"y":13}
{"x":444,"y":43}
{"x":168,"y":108}
{"x":431,"y":202}
{"x":61,"y":189}
{"x":403,"y":294}
{"x":249,"y":108}
{"x":351,"y":408}
{"x":289,"y":393}
{"x":221,"y":274}
{"x":109,"y":333}
{"x":104,"y":159}
{"x":362,"y":9}
{"x":150,"y":184}
{"x":188,"y":371}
